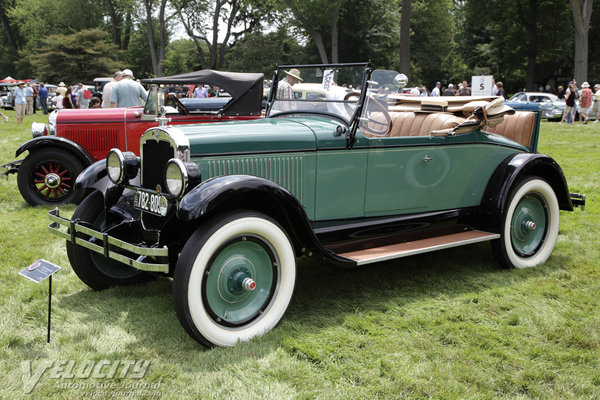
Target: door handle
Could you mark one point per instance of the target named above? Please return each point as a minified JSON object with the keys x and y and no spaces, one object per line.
{"x":427,"y":158}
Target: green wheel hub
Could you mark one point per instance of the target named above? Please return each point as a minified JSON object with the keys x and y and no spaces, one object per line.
{"x":240,"y":280}
{"x":528,"y":225}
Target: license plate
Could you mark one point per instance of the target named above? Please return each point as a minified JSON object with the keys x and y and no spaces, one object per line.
{"x":150,"y":201}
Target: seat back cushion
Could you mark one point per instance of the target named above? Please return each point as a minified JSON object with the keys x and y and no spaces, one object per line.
{"x":517,"y":127}
{"x":421,"y":124}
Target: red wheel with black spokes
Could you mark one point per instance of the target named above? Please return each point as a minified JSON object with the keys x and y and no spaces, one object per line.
{"x":47,"y":177}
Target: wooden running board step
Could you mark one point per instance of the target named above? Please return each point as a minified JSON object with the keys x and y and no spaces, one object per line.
{"x":389,"y":252}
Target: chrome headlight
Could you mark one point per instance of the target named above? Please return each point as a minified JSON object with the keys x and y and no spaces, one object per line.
{"x":121,"y":166}
{"x":180,"y":176}
{"x":52,"y":122}
{"x":176,"y":177}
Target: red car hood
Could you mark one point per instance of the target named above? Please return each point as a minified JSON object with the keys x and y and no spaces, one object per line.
{"x":95,"y":115}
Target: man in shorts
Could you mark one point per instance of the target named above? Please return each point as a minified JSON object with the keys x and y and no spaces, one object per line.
{"x":20,"y":102}
{"x":585,"y":102}
{"x":596,"y":106}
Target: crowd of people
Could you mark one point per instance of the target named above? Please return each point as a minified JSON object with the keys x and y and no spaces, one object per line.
{"x":463,"y":89}
{"x":125,"y":91}
{"x":589,"y":102}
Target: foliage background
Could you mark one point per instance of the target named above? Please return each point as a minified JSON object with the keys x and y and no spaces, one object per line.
{"x":450,"y":39}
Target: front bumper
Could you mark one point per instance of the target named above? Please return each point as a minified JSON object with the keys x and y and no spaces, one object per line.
{"x":578,"y":200}
{"x":153,"y":259}
{"x":10,"y":168}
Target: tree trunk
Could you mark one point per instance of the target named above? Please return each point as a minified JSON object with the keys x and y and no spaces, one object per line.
{"x":115,"y":23}
{"x":195,"y":38}
{"x":582,"y":12}
{"x":162,"y":37}
{"x":529,"y":19}
{"x":127,"y":31}
{"x":319,"y":43}
{"x":8,"y":30}
{"x":405,"y":38}
{"x":334,"y":33}
{"x":314,"y":34}
{"x":150,"y":36}
{"x":235,"y":8}
{"x":214,"y":45}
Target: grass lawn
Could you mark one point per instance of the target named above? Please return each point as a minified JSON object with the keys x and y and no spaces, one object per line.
{"x":445,"y":325}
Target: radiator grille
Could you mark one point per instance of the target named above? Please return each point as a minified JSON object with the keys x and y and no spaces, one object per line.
{"x":154,"y":160}
{"x":97,"y":141}
{"x":283,"y":170}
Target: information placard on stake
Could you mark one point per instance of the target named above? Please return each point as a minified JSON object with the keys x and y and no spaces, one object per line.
{"x":37,"y":272}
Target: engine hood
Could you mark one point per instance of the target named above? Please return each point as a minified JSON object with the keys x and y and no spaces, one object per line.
{"x":271,"y":135}
{"x":75,"y":116}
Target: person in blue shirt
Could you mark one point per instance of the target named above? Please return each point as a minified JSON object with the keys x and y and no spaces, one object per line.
{"x":128,"y":93}
{"x":20,"y":102}
{"x":43,"y":95}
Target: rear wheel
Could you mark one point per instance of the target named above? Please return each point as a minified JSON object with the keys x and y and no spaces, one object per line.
{"x":234,"y":279}
{"x":47,"y":177}
{"x":95,"y":270}
{"x":530,"y":225}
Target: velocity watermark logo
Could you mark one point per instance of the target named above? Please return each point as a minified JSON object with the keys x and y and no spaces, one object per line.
{"x":33,"y":372}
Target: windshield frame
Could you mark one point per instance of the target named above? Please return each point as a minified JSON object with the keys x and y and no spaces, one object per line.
{"x":363,"y":113}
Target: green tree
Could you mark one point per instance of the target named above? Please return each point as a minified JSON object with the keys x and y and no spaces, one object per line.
{"x":80,"y":56}
{"x":181,"y":57}
{"x":434,"y":52}
{"x":495,"y":40}
{"x":257,"y":52}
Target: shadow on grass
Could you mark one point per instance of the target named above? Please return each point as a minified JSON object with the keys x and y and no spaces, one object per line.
{"x":323,"y":297}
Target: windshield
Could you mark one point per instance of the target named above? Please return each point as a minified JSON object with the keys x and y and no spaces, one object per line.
{"x":152,"y":105}
{"x":336,"y":90}
{"x":318,"y":89}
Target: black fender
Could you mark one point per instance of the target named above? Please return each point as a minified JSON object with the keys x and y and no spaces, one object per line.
{"x":93,"y":174}
{"x":95,"y":177}
{"x":59,"y":142}
{"x":248,"y":192}
{"x":512,"y":170}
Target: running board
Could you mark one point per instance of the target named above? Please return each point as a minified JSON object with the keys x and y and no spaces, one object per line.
{"x":405,"y":249}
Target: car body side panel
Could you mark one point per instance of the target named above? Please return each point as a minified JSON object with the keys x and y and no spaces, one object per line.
{"x":293,"y":171}
{"x":408,"y":180}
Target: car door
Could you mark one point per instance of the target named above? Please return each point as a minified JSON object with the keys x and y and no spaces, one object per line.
{"x":426,"y":173}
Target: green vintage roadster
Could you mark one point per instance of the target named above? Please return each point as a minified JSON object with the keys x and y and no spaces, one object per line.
{"x":352,"y":176}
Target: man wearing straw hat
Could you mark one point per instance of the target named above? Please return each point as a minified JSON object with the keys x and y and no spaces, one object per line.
{"x":20,"y":101}
{"x":61,"y":89}
{"x":284,"y":89}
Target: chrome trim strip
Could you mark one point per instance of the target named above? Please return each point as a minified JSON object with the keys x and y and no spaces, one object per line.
{"x":140,"y":251}
{"x":429,"y":249}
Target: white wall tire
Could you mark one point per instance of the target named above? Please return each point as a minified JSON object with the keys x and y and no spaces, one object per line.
{"x":212,"y":309}
{"x":530,"y":225}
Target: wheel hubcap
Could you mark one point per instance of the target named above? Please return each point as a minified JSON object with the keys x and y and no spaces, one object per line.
{"x":52,"y":181}
{"x":528,"y":225}
{"x":240,"y":281}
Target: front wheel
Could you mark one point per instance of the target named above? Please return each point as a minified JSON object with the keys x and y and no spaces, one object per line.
{"x":94,"y":269}
{"x":530,"y":225}
{"x":47,"y":177}
{"x":234,"y":279}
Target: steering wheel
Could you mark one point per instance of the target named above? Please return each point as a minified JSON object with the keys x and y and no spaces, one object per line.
{"x":378,"y":119}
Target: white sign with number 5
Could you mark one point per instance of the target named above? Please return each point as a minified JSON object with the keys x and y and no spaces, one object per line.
{"x":481,"y":85}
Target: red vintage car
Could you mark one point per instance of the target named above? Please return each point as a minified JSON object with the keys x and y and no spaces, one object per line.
{"x":74,"y":139}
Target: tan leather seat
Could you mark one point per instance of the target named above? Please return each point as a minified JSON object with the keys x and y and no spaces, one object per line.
{"x":518,"y":127}
{"x":421,"y":124}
